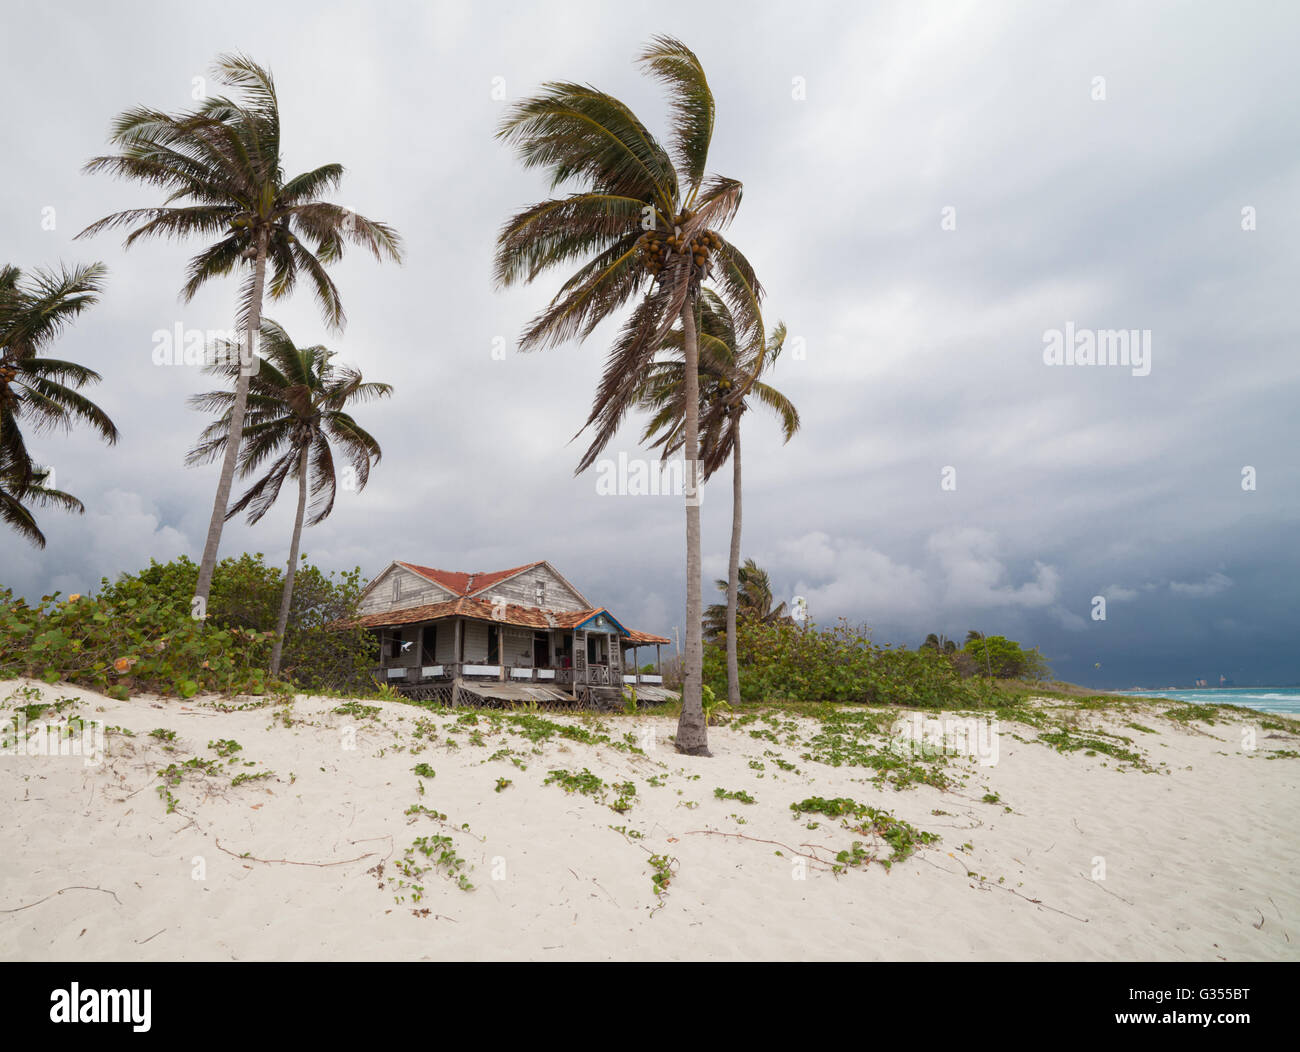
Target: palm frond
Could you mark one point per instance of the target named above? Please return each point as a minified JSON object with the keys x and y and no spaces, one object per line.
{"x":691,"y":102}
{"x":34,"y":313}
{"x":580,"y":133}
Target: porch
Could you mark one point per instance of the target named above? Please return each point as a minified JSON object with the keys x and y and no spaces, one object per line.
{"x":450,"y":657}
{"x":565,"y":678}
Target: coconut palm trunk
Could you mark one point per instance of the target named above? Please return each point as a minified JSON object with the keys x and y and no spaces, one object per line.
{"x":733,"y":575}
{"x":248,"y":353}
{"x":692,"y":732}
{"x":726,"y":377}
{"x":282,"y":622}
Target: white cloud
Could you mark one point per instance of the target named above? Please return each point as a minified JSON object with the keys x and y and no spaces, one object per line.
{"x":121,"y":532}
{"x":1212,"y":585}
{"x":974,"y":577}
{"x":842,"y":577}
{"x":1067,"y":619}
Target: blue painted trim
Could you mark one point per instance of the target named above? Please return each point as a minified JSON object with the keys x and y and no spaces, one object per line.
{"x":602,"y":613}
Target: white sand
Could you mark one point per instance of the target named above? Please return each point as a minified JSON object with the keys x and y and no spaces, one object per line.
{"x":1200,"y":859}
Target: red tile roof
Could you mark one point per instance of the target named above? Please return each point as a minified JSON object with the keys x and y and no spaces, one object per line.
{"x":482,"y":610}
{"x":466,"y":584}
{"x":636,"y":638}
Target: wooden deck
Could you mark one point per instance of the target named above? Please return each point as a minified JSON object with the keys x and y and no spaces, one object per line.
{"x":499,"y":686}
{"x":566,"y":678}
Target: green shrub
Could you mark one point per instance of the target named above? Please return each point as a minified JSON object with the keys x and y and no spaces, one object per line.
{"x":246,"y":595}
{"x":787,"y":662}
{"x":133,"y":642}
{"x":1004,"y":658}
{"x":137,"y":633}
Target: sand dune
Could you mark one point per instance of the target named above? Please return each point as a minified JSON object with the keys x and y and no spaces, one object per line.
{"x":1199,"y":851}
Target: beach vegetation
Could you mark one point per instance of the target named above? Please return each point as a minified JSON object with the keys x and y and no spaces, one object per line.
{"x":662,"y":872}
{"x":586,"y":783}
{"x":128,"y":642}
{"x":787,"y":661}
{"x":317,"y":657}
{"x":1000,"y":658}
{"x":358,"y":710}
{"x":714,"y":706}
{"x":1063,"y":741}
{"x":434,"y":853}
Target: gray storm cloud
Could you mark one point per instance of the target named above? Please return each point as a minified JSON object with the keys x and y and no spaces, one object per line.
{"x":947,"y":190}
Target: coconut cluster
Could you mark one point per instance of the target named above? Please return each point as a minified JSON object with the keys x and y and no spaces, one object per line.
{"x":7,"y":374}
{"x":657,"y":247}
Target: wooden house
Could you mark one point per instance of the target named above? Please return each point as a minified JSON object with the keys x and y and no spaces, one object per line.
{"x":507,"y":636}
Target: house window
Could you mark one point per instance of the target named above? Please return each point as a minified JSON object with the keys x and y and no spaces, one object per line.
{"x":540,"y":594}
{"x":395,"y":643}
{"x":494,"y":645}
{"x":397,"y":588}
{"x":429,"y":644}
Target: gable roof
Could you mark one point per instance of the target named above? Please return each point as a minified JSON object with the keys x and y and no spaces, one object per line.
{"x":470,"y":584}
{"x":581,"y":619}
{"x":465,"y":584}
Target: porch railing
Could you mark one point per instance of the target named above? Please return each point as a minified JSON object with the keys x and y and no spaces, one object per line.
{"x":596,"y":675}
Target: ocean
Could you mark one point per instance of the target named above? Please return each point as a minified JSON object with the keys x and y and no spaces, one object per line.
{"x":1284,"y":700}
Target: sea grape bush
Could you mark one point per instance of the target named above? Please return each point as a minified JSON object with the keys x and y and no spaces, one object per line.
{"x":246,"y":595}
{"x":137,"y":634}
{"x":135,"y":642}
{"x":1005,"y":659}
{"x":789,"y":662}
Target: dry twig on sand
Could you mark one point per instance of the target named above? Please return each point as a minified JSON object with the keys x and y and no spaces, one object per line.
{"x":71,"y":887}
{"x":291,"y":862}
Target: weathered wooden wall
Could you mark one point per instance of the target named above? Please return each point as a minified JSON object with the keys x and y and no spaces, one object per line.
{"x":522,"y":589}
{"x":517,"y":646}
{"x":414,"y":591}
{"x":476,"y":642}
{"x":447,"y":642}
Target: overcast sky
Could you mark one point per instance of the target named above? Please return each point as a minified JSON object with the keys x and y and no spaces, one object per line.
{"x":864,"y":133}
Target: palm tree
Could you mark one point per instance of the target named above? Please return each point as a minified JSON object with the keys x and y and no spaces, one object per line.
{"x":297,"y":403}
{"x":43,"y":392}
{"x":13,"y":501}
{"x":727,"y":374}
{"x":223,"y":158}
{"x":645,"y":222}
{"x":939,"y":642}
{"x":975,"y":636}
{"x":754,"y":602}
